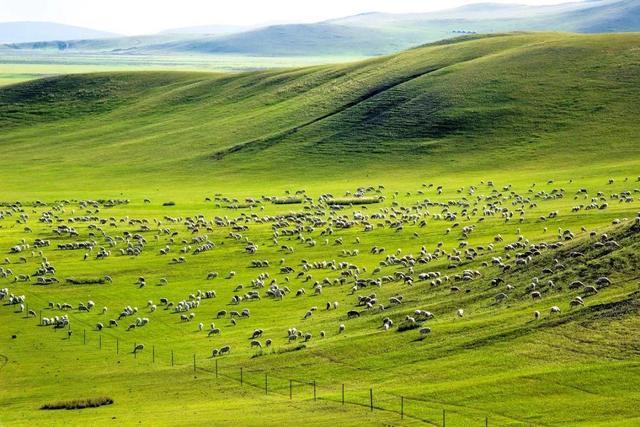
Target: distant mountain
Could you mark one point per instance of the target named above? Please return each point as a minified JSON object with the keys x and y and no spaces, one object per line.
{"x":21,"y":32}
{"x":373,"y":33}
{"x":210,"y":29}
{"x":292,"y":39}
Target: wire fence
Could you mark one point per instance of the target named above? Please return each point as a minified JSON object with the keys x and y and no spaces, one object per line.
{"x":294,"y":388}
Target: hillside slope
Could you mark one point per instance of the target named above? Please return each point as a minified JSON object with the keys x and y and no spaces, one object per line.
{"x":473,"y":103}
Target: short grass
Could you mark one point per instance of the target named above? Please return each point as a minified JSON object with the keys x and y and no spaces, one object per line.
{"x":539,"y":115}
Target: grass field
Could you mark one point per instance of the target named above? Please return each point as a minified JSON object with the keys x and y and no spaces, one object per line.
{"x":19,"y":66}
{"x":549,"y":119}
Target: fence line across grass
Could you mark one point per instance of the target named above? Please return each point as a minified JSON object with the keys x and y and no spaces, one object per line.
{"x":296,"y":388}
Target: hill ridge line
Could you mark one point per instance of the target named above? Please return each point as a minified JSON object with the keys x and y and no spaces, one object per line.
{"x":271,"y":140}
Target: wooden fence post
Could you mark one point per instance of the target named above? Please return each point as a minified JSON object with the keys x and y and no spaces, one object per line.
{"x":314,"y":390}
{"x":402,"y":407}
{"x":371,"y":398}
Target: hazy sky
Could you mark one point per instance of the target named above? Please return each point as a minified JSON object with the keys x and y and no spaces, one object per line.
{"x":148,"y":16}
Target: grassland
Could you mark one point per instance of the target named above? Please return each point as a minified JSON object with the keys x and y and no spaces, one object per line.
{"x":18,"y":66}
{"x":541,"y":115}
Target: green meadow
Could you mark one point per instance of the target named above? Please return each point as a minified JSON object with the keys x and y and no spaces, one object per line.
{"x":511,"y":156}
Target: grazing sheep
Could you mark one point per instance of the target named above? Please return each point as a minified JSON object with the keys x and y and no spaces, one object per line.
{"x":256,"y":343}
{"x":267,"y":342}
{"x":99,"y":326}
{"x":200,"y":326}
{"x":138,"y":347}
{"x":425,"y":331}
{"x":341,"y":328}
{"x":588,"y":290}
{"x":536,"y":315}
{"x":576,"y":301}
{"x":554,"y":310}
{"x":353,"y":313}
{"x":460,"y":312}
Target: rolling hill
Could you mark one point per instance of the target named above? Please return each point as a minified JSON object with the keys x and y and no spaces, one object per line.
{"x":515,"y":97}
{"x":24,"y":32}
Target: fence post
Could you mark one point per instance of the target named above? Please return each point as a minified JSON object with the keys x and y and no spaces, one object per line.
{"x":314,"y":390}
{"x":241,"y":380}
{"x":153,"y":354}
{"x":135,"y":353}
{"x":171,"y":357}
{"x":216,"y":368}
{"x":117,"y":346}
{"x":444,"y":418}
{"x":342,"y":394}
{"x":194,"y":362}
{"x":266,"y":387}
{"x":290,"y":389}
{"x":486,"y":421}
{"x":402,"y":407}
{"x":371,"y":398}
{"x":84,"y":336}
{"x":100,"y":341}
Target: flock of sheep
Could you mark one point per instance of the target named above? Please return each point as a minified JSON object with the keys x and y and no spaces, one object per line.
{"x":294,"y":235}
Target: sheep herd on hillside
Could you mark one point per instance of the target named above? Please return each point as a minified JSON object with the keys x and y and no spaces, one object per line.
{"x":308,"y":247}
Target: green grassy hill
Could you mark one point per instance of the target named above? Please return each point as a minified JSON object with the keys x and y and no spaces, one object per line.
{"x":468,"y":105}
{"x":511,"y":156}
